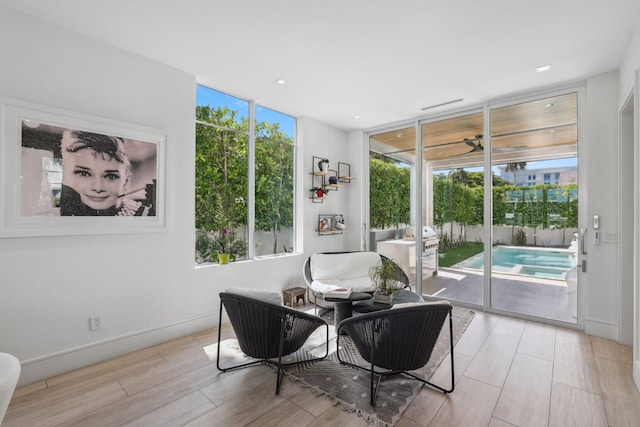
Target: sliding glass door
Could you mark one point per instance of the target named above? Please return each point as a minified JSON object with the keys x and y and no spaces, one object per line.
{"x":535,"y":211}
{"x":453,"y":232}
{"x":392,"y":162}
{"x":481,"y":207}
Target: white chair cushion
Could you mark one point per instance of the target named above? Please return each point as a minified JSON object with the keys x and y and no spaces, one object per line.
{"x":266,"y":296}
{"x":9,"y":374}
{"x":342,"y":266}
{"x":359,"y":284}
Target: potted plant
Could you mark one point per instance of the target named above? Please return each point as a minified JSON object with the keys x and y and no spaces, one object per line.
{"x":226,"y":246}
{"x":386,"y":278}
{"x":318,"y":192}
{"x":323,"y":165}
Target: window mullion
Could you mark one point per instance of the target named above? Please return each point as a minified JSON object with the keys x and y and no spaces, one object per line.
{"x":251,"y":188}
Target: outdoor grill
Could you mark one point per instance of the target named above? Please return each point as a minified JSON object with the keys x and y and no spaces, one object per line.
{"x":430,"y":242}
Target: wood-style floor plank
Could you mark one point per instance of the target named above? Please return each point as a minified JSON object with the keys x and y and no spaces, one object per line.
{"x":86,"y":383}
{"x":492,"y":361}
{"x":619,"y":392}
{"x":508,"y":373}
{"x":525,"y":397}
{"x":175,"y":413}
{"x":470,"y":405}
{"x":69,"y":409}
{"x":574,"y":364}
{"x":538,"y":341}
{"x":573,"y":407}
{"x":124,"y":411}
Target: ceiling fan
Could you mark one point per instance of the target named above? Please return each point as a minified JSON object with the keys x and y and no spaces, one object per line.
{"x":476,"y":146}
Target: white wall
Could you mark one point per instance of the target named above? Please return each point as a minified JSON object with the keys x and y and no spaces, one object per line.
{"x":629,"y":80}
{"x":51,"y":285}
{"x":630,"y":62}
{"x":599,"y":176}
{"x":145,"y":286}
{"x":321,"y":140}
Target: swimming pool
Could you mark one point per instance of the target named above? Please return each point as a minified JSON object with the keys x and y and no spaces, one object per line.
{"x":545,"y":263}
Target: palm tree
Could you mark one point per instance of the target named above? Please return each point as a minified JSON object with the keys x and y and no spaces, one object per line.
{"x":459,"y":176}
{"x":514,"y":167}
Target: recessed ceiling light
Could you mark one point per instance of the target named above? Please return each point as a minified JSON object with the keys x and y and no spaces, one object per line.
{"x":356,"y":117}
{"x":542,"y":68}
{"x":281,"y":81}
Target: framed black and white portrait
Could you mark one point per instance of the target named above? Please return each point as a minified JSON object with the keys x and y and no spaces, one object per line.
{"x":69,"y":173}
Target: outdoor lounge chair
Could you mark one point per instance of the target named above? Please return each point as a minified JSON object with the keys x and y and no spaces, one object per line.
{"x":398,"y":340}
{"x":347,"y":269}
{"x":267,"y":331}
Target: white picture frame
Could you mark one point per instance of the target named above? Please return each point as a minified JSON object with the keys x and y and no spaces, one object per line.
{"x":32,"y":174}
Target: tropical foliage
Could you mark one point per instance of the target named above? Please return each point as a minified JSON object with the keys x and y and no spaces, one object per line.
{"x":222,"y":165}
{"x":458,"y":201}
{"x":389,"y":195}
{"x":458,"y":198}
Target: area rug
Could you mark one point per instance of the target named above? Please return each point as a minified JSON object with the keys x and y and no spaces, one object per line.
{"x":349,"y":387}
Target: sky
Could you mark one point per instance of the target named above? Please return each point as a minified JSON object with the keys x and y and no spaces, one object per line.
{"x":213,"y":98}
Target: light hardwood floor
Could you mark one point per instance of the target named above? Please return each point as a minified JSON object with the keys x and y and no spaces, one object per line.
{"x":509,"y":372}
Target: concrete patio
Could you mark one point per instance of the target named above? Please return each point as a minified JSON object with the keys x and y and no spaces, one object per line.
{"x":520,"y":294}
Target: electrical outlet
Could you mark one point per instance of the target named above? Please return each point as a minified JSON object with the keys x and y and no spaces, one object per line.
{"x":95,"y":323}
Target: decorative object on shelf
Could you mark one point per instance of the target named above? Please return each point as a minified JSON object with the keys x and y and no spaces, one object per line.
{"x":319,"y":186}
{"x":223,"y":258}
{"x":324,"y":224}
{"x":319,"y":192}
{"x":327,"y":224}
{"x":387,"y":281}
{"x":339,"y":222}
{"x":333,"y":180}
{"x":323,"y":165}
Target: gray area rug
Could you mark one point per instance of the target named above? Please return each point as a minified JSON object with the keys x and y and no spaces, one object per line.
{"x":347,"y":386}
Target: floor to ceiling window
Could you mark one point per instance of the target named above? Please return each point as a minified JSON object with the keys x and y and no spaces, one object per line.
{"x":391,"y":168}
{"x":499,"y":226}
{"x":244,"y":178}
{"x":453,"y":154}
{"x":535,"y":216}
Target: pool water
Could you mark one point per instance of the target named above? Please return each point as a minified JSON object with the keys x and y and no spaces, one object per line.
{"x":538,"y":262}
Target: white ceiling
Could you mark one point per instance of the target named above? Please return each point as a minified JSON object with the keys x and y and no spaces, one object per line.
{"x":382,"y":60}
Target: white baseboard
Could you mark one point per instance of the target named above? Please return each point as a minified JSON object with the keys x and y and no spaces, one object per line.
{"x":46,"y":366}
{"x":601,"y":328}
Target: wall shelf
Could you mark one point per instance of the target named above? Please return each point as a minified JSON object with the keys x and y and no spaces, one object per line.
{"x":344,"y":172}
{"x":318,"y":178}
{"x":319,"y":173}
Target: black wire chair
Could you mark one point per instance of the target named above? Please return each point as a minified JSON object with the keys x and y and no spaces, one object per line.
{"x":317,"y":296}
{"x":398,"y":340}
{"x":267,"y":331}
